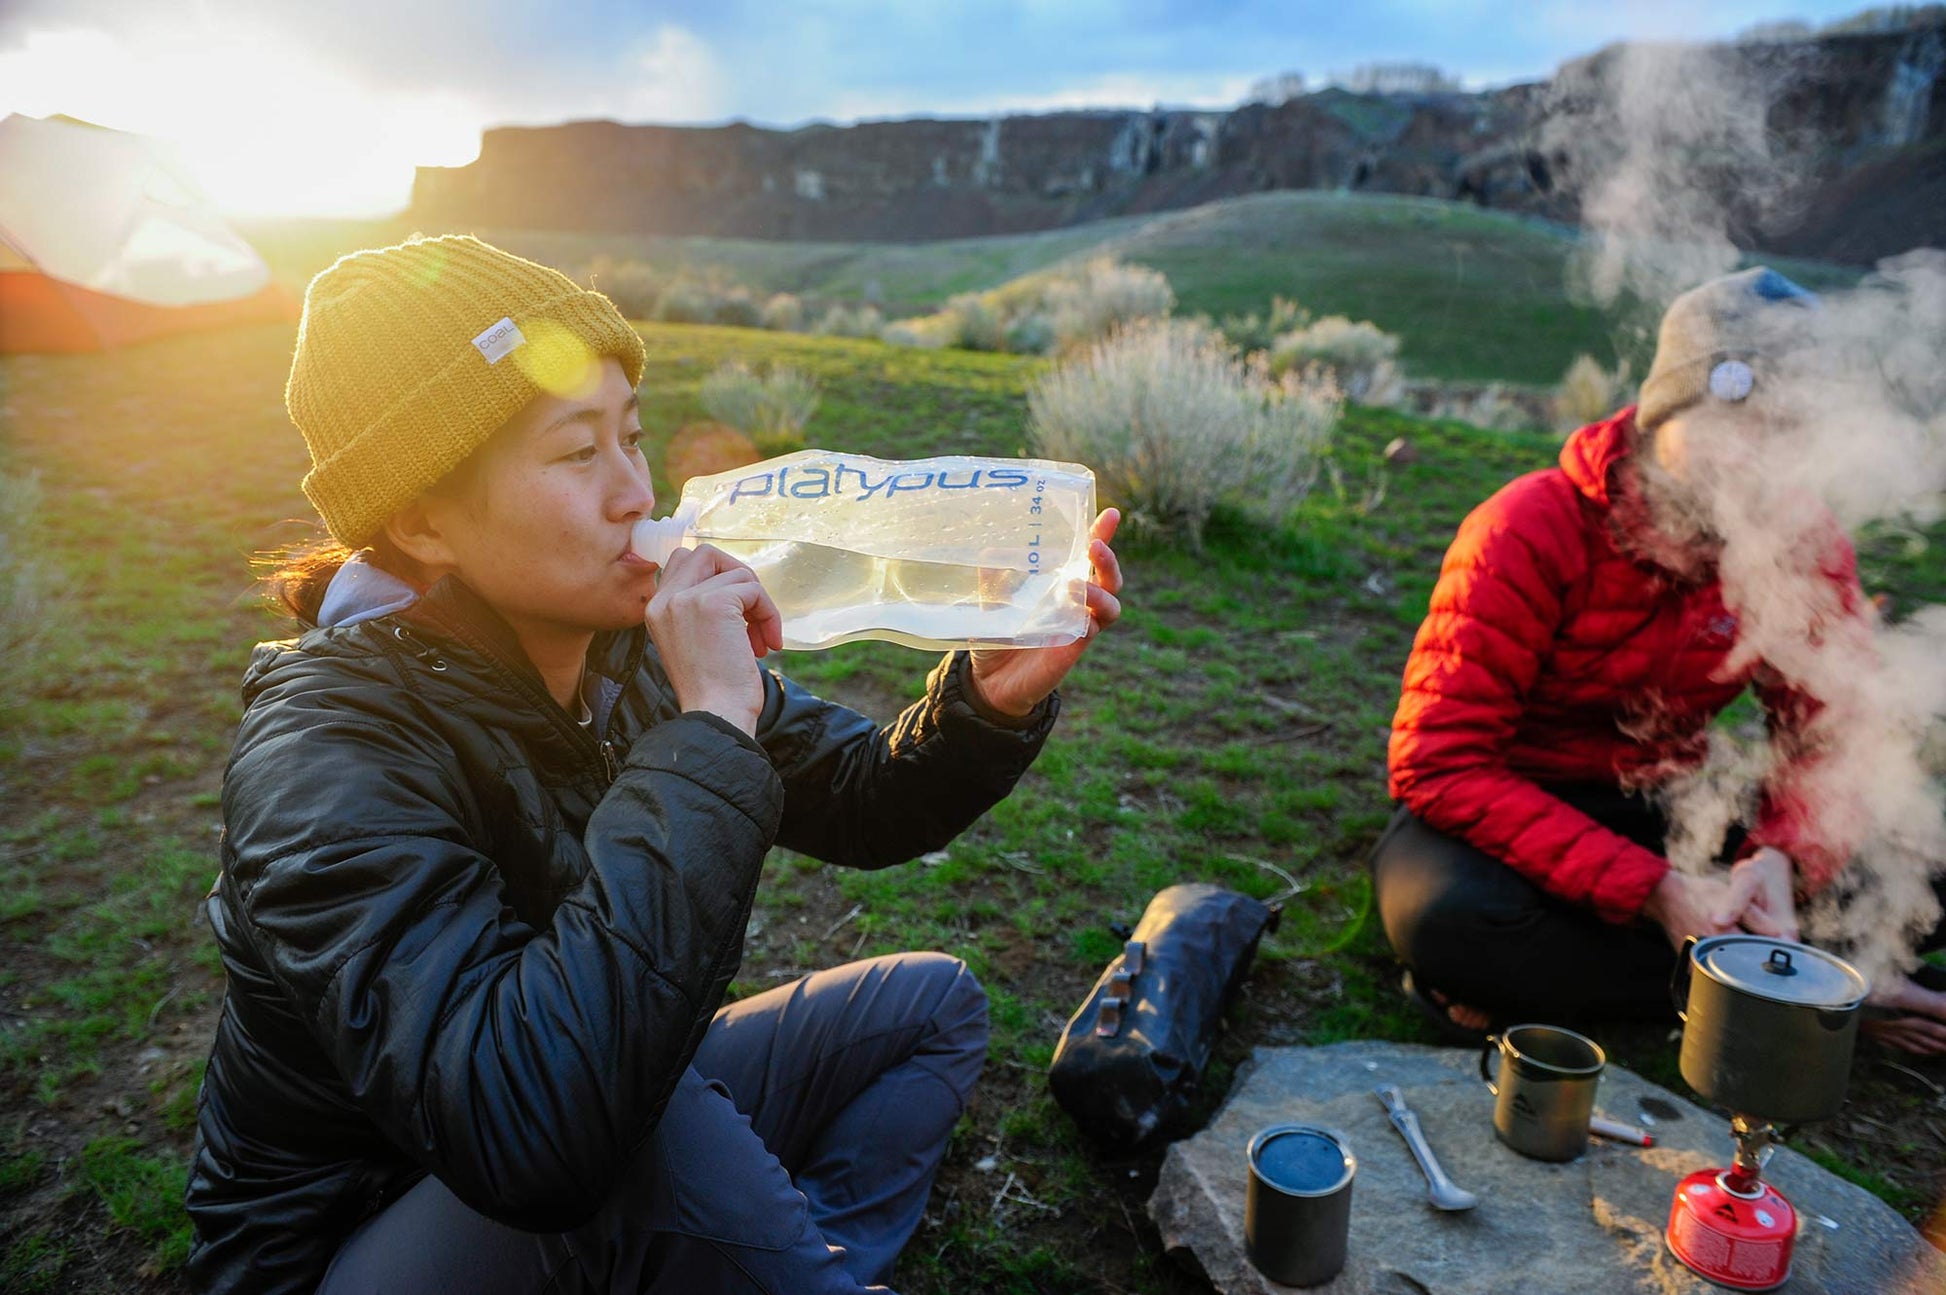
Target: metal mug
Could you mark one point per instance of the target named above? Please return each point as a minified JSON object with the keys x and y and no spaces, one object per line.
{"x":1297,"y":1207}
{"x":1546,"y":1092}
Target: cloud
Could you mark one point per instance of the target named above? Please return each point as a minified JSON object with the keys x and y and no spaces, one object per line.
{"x":1121,"y":90}
{"x":678,"y":79}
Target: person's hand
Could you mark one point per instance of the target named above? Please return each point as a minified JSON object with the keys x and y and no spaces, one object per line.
{"x":711,"y":620}
{"x":1013,"y":681}
{"x":1686,"y":906}
{"x":1921,"y":1031}
{"x":1759,"y":898}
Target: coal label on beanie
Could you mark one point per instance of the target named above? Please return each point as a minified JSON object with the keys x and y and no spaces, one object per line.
{"x":499,"y":341}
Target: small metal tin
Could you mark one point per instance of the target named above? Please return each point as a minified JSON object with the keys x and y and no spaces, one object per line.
{"x":1297,"y":1207}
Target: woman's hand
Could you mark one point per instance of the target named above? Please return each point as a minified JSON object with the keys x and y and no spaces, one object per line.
{"x":1756,"y":896}
{"x":1759,"y":898}
{"x":711,"y":620}
{"x":1687,"y":906}
{"x":1922,"y":1030}
{"x":1013,"y":681}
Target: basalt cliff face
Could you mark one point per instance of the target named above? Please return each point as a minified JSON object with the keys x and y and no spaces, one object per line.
{"x":1858,"y":123}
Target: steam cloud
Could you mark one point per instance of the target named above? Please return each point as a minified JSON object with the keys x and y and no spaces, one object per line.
{"x":1681,"y":158}
{"x":1678,"y":155}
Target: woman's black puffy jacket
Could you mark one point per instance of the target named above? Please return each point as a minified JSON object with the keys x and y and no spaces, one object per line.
{"x":465,"y":936}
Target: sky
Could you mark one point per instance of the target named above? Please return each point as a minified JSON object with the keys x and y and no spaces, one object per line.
{"x":324,"y":107}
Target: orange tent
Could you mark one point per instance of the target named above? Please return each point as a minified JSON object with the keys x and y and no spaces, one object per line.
{"x":104,"y":241}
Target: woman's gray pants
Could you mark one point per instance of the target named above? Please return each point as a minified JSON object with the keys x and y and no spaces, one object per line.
{"x":795,"y":1157}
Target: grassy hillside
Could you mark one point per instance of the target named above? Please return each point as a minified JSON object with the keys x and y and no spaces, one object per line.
{"x":1476,"y":295}
{"x":1232,"y":729}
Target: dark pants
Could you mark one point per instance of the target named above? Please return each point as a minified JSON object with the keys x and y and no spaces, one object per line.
{"x":795,"y":1157}
{"x":1472,"y":928}
{"x":1480,"y":933}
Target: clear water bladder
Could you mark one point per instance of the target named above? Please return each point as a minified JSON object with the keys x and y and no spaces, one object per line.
{"x":933,"y":553}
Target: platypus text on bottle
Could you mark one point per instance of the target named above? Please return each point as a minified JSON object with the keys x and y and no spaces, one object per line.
{"x":933,"y":553}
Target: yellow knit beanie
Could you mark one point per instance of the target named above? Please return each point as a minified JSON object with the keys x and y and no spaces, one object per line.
{"x":410,"y":357}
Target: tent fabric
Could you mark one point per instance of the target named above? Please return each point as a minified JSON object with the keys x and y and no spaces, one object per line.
{"x":104,"y":240}
{"x":43,"y":315}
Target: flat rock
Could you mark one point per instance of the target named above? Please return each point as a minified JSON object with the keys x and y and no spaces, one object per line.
{"x":1592,"y":1225}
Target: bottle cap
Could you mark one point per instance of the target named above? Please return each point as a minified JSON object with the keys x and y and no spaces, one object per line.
{"x":654,"y":539}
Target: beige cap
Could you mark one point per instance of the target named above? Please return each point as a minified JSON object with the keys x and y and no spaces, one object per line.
{"x":1724,"y":340}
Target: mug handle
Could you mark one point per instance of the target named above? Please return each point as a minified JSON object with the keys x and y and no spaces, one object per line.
{"x":1679,"y":980}
{"x":1491,"y":1046}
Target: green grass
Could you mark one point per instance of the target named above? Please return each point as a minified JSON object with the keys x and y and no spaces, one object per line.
{"x":1476,"y":295}
{"x":19,"y":1172}
{"x":1231,"y":729}
{"x":115,"y":972}
{"x":143,"y":1194}
{"x":1902,"y":1197}
{"x":34,"y":1264}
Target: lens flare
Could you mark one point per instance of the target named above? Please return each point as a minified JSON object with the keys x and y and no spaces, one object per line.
{"x":557,"y":361}
{"x":1934,"y":1228}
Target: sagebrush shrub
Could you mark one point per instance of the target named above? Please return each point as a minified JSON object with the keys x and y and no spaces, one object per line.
{"x":1086,"y":304}
{"x":847,"y":321}
{"x":706,"y":296}
{"x":1359,"y":356}
{"x":1044,"y":311}
{"x":634,"y":286}
{"x":738,"y":309}
{"x":686,"y":303}
{"x":1494,"y":407}
{"x":927,"y":332}
{"x":1174,"y":423}
{"x":1589,"y":393}
{"x":770,"y":409}
{"x":967,"y":322}
{"x":783,"y":313}
{"x":1259,"y":332}
{"x":1031,"y":335}
{"x":974,"y":325}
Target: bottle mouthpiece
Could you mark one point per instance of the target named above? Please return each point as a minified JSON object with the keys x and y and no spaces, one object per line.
{"x":654,"y":539}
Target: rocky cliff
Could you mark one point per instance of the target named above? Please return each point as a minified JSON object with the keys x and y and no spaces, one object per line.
{"x":1857,"y":124}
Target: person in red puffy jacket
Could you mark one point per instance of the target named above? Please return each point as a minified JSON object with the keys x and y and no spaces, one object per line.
{"x":1576,"y":649}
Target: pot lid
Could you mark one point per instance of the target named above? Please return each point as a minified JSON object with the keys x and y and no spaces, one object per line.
{"x":1781,"y":970}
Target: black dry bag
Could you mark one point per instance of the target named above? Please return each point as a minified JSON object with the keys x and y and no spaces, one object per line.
{"x":1131,"y":1058}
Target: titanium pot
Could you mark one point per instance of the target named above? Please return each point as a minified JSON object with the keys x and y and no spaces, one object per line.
{"x":1769,"y":1025}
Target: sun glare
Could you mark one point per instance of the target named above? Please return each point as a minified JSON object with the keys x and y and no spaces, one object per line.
{"x":264,"y":130}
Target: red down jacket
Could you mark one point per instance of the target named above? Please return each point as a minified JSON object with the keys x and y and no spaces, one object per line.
{"x":1548,"y":656}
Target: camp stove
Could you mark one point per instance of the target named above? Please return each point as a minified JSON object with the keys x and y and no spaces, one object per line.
{"x":1731,"y":1226}
{"x":1769,"y":1029}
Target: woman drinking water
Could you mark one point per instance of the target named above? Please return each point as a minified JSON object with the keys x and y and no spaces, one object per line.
{"x":494,"y":823}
